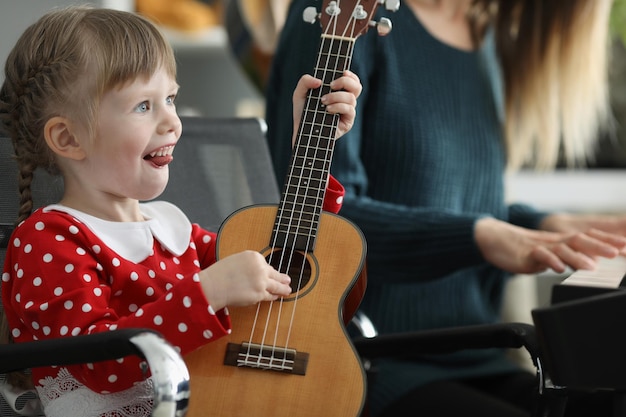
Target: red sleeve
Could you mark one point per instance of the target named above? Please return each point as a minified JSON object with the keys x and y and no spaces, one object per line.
{"x":334,"y":195}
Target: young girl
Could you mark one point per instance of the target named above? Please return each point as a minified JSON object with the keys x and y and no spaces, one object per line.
{"x":89,"y":93}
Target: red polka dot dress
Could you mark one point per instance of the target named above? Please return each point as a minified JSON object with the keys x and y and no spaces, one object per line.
{"x":68,"y":273}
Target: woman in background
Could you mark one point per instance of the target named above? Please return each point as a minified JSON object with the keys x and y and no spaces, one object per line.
{"x":458,"y":93}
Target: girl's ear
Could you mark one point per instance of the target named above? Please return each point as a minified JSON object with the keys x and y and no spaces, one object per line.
{"x":61,"y":137}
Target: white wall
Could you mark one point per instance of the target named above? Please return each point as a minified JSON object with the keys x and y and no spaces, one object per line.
{"x":591,"y":190}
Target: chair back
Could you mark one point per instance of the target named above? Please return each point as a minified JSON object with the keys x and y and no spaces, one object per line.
{"x":220,"y":165}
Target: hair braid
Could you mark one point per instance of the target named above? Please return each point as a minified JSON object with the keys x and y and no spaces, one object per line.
{"x":23,"y":99}
{"x":23,"y":113}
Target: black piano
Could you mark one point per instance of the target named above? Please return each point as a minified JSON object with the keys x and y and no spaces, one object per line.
{"x":582,"y":334}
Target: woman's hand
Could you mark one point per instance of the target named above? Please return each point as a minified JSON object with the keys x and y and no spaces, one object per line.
{"x":342,"y":100}
{"x":525,"y":251}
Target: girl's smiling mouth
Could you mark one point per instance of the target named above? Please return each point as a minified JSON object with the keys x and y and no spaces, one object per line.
{"x":161,"y":156}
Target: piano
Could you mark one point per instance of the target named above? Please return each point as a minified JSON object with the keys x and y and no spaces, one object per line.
{"x":580,"y":334}
{"x":607,"y":277}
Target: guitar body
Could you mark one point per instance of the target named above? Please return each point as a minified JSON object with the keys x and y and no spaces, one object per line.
{"x":311,"y":322}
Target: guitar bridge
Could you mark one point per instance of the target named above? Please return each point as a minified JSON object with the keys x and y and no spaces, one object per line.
{"x":266,"y":357}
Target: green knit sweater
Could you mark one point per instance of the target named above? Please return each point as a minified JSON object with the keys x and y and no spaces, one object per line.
{"x":424,"y":160}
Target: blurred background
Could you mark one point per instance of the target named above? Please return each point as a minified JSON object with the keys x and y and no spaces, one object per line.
{"x":213,"y":82}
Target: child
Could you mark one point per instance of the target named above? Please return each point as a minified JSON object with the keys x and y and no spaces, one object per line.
{"x":89,"y":93}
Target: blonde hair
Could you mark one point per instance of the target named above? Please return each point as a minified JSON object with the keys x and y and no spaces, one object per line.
{"x":554,"y":58}
{"x":61,"y":66}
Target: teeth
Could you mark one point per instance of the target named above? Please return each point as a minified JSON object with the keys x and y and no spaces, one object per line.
{"x":168,"y":150}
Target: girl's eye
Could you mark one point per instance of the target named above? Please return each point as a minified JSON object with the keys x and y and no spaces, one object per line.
{"x":142,"y":107}
{"x":171,"y":99}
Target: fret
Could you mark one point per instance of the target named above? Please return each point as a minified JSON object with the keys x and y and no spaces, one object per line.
{"x":313,"y":184}
{"x":320,"y":165}
{"x":312,"y":158}
{"x":332,"y":46}
{"x":309,"y":177}
{"x":297,"y":241}
{"x":318,"y":119}
{"x":328,"y":75}
{"x":304,"y":217}
{"x":310,"y":171}
{"x":302,"y":203}
{"x":317,"y":130}
{"x":313,"y":147}
{"x":302,"y":228}
{"x":299,"y":198}
{"x":317,"y":162}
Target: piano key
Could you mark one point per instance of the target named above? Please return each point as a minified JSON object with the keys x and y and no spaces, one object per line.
{"x":606,"y":277}
{"x":609,"y":273}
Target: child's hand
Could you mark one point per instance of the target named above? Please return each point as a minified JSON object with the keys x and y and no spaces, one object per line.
{"x":342,"y":100}
{"x":242,"y":279}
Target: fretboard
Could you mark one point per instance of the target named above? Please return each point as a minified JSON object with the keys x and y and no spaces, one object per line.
{"x":301,"y":204}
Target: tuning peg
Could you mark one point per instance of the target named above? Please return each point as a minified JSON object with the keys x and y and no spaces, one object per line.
{"x":391,"y":5}
{"x":383,"y":27}
{"x":310,"y":14}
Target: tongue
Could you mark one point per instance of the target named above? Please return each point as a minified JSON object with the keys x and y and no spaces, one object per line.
{"x":161,"y":160}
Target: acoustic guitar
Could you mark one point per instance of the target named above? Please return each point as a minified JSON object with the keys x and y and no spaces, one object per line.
{"x":293,"y":357}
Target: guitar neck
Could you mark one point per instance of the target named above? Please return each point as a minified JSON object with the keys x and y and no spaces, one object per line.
{"x":303,"y":194}
{"x":343,"y":21}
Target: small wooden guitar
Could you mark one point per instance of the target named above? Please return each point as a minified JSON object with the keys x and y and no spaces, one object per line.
{"x":293,"y":357}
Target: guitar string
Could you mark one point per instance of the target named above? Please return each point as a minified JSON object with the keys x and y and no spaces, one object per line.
{"x":312,"y":160}
{"x":308,"y":148}
{"x":321,"y":189}
{"x":304,"y":142}
{"x":326,"y":142}
{"x":313,"y":143}
{"x":307,"y":185}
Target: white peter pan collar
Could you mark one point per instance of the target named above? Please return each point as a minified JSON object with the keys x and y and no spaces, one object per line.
{"x":135,"y":240}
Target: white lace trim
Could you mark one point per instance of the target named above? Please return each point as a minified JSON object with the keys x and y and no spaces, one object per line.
{"x":64,"y":396}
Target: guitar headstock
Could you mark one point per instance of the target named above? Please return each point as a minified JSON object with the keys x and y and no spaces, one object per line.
{"x":350,"y":18}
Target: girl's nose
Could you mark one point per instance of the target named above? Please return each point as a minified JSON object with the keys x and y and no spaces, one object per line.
{"x":170,"y":123}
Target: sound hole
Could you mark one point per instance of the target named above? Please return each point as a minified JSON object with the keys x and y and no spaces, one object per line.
{"x":294,"y":264}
